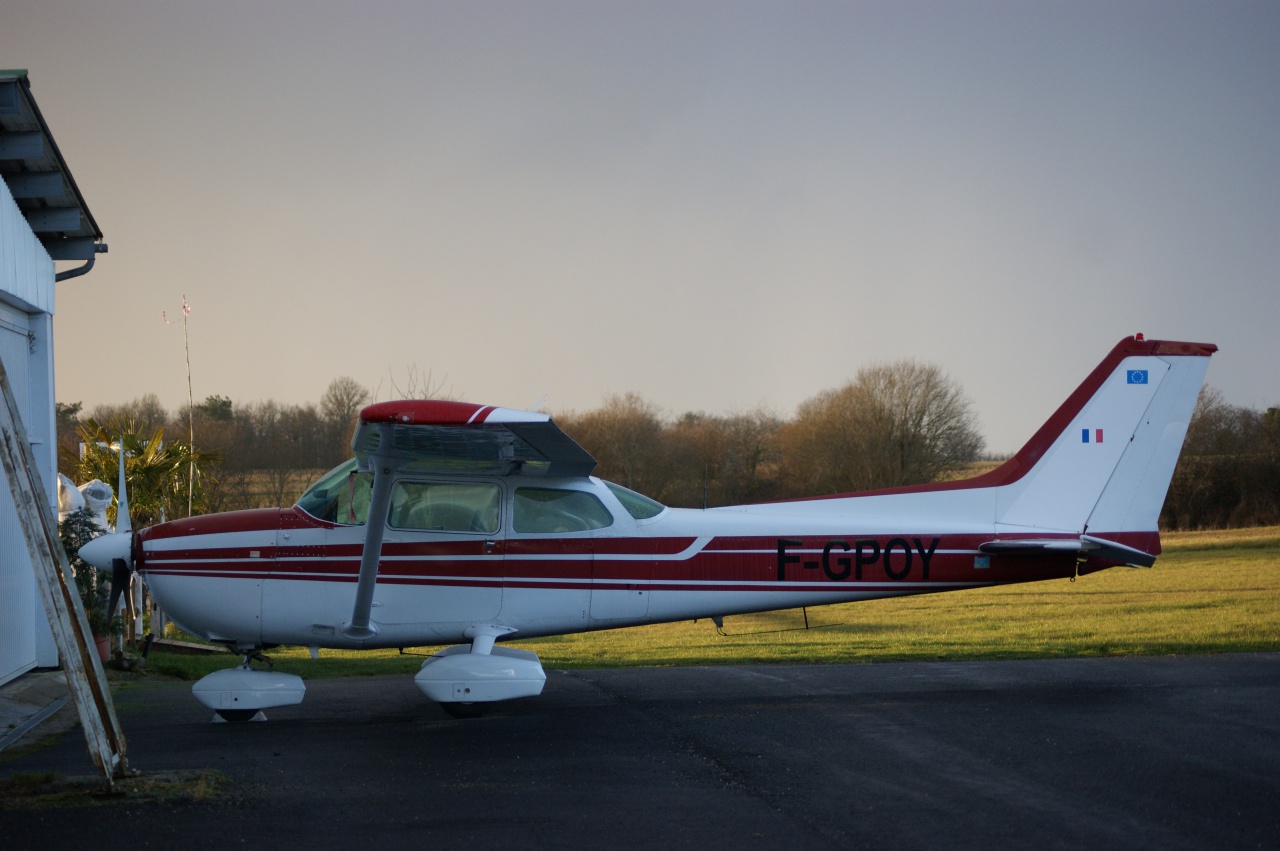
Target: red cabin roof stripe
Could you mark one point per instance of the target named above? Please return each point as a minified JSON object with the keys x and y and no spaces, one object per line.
{"x":433,"y":412}
{"x":425,"y":412}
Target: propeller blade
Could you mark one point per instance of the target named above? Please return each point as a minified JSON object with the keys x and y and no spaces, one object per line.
{"x":105,"y":550}
{"x":119,"y":583}
{"x":123,"y":524}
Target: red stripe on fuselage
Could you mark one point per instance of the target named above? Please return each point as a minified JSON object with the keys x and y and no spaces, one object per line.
{"x":228,"y":522}
{"x":743,"y":563}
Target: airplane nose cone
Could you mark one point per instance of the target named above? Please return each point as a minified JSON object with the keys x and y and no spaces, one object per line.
{"x":102,"y":550}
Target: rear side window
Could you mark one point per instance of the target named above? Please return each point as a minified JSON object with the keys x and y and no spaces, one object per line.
{"x":554,"y":510}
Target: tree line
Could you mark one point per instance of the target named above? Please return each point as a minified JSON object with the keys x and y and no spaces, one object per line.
{"x":254,"y":455}
{"x":893,"y":424}
{"x":1229,"y":473}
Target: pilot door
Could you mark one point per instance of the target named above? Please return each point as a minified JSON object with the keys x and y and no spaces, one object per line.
{"x":442,"y":553}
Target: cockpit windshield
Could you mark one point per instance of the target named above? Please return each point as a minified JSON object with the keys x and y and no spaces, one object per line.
{"x":341,"y":496}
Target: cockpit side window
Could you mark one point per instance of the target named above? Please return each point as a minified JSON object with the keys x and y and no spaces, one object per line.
{"x":341,"y":496}
{"x":445,"y":507}
{"x":555,"y":510}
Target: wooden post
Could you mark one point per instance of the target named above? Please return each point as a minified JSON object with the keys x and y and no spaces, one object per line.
{"x":85,"y":676}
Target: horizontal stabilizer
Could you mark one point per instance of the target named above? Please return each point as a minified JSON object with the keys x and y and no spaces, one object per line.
{"x":1112,"y":551}
{"x":1085,"y":545}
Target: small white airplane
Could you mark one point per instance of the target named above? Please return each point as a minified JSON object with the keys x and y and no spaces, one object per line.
{"x":467,"y":524}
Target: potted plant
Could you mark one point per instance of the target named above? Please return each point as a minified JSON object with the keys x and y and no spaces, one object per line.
{"x":94,"y":586}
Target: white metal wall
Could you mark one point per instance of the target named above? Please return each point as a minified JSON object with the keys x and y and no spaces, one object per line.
{"x":26,"y":344}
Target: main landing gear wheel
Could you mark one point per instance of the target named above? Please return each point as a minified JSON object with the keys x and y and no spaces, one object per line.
{"x":463,"y":710}
{"x":236,"y":716}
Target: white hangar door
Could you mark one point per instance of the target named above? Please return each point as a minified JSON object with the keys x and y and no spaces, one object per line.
{"x":18,"y":598}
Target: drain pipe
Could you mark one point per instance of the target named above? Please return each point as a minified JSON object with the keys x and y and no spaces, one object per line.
{"x":100,"y":248}
{"x":76,"y":272}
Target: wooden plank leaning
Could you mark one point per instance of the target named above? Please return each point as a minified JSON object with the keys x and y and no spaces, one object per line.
{"x":85,"y":676}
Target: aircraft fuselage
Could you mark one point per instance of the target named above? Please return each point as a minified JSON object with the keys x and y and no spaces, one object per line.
{"x":281,"y":576}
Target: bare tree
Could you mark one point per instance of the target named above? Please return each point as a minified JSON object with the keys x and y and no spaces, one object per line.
{"x":720,"y":460}
{"x":145,"y":412}
{"x":894,"y":424}
{"x":417,"y":385}
{"x":626,"y":437}
{"x":695,"y":455}
{"x":749,"y":470}
{"x":339,"y":408}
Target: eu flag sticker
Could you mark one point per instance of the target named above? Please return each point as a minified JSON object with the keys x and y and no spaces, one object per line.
{"x":1137,"y":376}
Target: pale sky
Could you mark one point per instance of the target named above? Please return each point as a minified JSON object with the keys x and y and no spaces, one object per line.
{"x":715,"y":205}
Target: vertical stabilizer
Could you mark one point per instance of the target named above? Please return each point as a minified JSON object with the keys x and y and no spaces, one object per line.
{"x":1104,"y":460}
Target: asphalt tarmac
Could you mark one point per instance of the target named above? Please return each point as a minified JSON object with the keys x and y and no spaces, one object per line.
{"x":1128,"y":753}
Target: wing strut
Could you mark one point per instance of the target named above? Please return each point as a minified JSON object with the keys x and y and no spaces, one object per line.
{"x":384,"y":465}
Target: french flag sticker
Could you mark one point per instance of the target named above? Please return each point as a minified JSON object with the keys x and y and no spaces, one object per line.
{"x":1091,"y":435}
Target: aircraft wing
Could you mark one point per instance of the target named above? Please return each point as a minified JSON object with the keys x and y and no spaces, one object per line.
{"x":457,"y":437}
{"x":1086,"y":545}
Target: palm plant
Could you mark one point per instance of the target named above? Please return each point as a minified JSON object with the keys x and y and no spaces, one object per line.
{"x":158,"y":472}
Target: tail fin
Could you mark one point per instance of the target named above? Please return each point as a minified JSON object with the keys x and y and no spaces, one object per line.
{"x":1103,"y":462}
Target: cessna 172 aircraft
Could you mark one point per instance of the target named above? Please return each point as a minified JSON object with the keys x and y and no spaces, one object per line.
{"x":466,"y":524}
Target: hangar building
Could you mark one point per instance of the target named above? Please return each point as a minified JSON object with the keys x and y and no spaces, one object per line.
{"x":43,"y":218}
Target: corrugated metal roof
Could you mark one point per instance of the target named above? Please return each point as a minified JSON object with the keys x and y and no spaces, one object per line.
{"x":38,"y":177}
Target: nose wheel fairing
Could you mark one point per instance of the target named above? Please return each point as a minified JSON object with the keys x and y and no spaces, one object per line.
{"x":239,"y":694}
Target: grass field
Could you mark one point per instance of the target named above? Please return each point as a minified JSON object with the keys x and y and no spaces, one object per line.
{"x":1210,"y":592}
